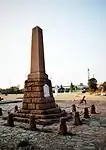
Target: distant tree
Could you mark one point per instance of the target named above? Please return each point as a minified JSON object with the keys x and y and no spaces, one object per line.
{"x":81,"y":84}
{"x":21,"y":91}
{"x":72,"y":87}
{"x":100,"y":88}
{"x":92,"y":83}
{"x":61,"y":89}
{"x":76,"y":87}
{"x":14,"y":90}
{"x":67,"y":90}
{"x":104,"y":86}
{"x":11,"y":90}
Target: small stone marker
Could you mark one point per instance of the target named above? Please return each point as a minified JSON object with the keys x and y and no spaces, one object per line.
{"x":77,"y":119}
{"x":32,"y":123}
{"x":10,"y":120}
{"x":63,"y":126}
{"x":1,"y":112}
{"x":73,"y":108}
{"x":86,"y":113}
{"x":93,"y":111}
{"x":16,"y":108}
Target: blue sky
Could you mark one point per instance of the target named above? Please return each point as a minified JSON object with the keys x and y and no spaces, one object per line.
{"x":74,"y":39}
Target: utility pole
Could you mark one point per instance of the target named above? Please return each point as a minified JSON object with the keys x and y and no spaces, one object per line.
{"x":88,"y":74}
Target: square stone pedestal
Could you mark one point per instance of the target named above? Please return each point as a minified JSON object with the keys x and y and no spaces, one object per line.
{"x":39,"y":102}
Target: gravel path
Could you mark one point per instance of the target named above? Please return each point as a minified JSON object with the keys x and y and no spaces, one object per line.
{"x":89,"y":136}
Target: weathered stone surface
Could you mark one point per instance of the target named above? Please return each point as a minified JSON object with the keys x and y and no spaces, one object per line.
{"x":27,"y":100}
{"x":42,"y":100}
{"x":86,"y":113}
{"x":21,"y":119}
{"x":38,"y":88}
{"x":77,"y":119}
{"x":24,"y":111}
{"x":73,"y":108}
{"x":1,"y":112}
{"x":93,"y":110}
{"x":32,"y":83}
{"x":16,"y":108}
{"x":31,"y":106}
{"x":45,"y":106}
{"x":63,"y":126}
{"x":10,"y":120}
{"x":25,"y":105}
{"x":32,"y":123}
{"x":49,"y":116}
{"x":20,"y":115}
{"x":46,"y":111}
{"x":33,"y":94}
{"x":33,"y":89}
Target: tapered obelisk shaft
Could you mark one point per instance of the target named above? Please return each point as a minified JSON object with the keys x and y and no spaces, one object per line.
{"x":37,"y":51}
{"x":38,"y":101}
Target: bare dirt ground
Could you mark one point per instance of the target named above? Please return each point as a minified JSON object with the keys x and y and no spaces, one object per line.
{"x":89,"y":136}
{"x":66,"y":100}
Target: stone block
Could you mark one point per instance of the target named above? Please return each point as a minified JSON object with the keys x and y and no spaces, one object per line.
{"x":27,"y":100}
{"x":10,"y":120}
{"x":52,"y":110}
{"x":25,"y":105}
{"x":33,"y":89}
{"x":28,"y":115}
{"x":33,"y":94}
{"x":32,"y":123}
{"x":37,"y":89}
{"x":37,"y":100}
{"x":45,"y":106}
{"x":31,"y":106}
{"x":24,"y":111}
{"x":37,"y":76}
{"x":1,"y":112}
{"x":20,"y":119}
{"x":63,"y":126}
{"x":46,"y":111}
{"x":33,"y":84}
{"x":48,"y":116}
{"x":37,"y":111}
{"x":43,"y":100}
{"x":20,"y":114}
{"x":27,"y":89}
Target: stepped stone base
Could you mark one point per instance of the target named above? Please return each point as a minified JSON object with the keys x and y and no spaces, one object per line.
{"x":43,"y":109}
{"x":44,"y":119}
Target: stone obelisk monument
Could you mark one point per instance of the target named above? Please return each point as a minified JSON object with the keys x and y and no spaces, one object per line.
{"x":38,"y":99}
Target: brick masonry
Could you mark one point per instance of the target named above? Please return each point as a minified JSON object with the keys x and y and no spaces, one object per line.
{"x":35,"y":103}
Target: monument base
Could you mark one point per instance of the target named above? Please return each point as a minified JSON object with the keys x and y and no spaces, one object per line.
{"x":39,"y":103}
{"x":42,"y":119}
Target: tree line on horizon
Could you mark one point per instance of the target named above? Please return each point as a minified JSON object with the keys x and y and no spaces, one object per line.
{"x":12,"y":90}
{"x":92,"y":87}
